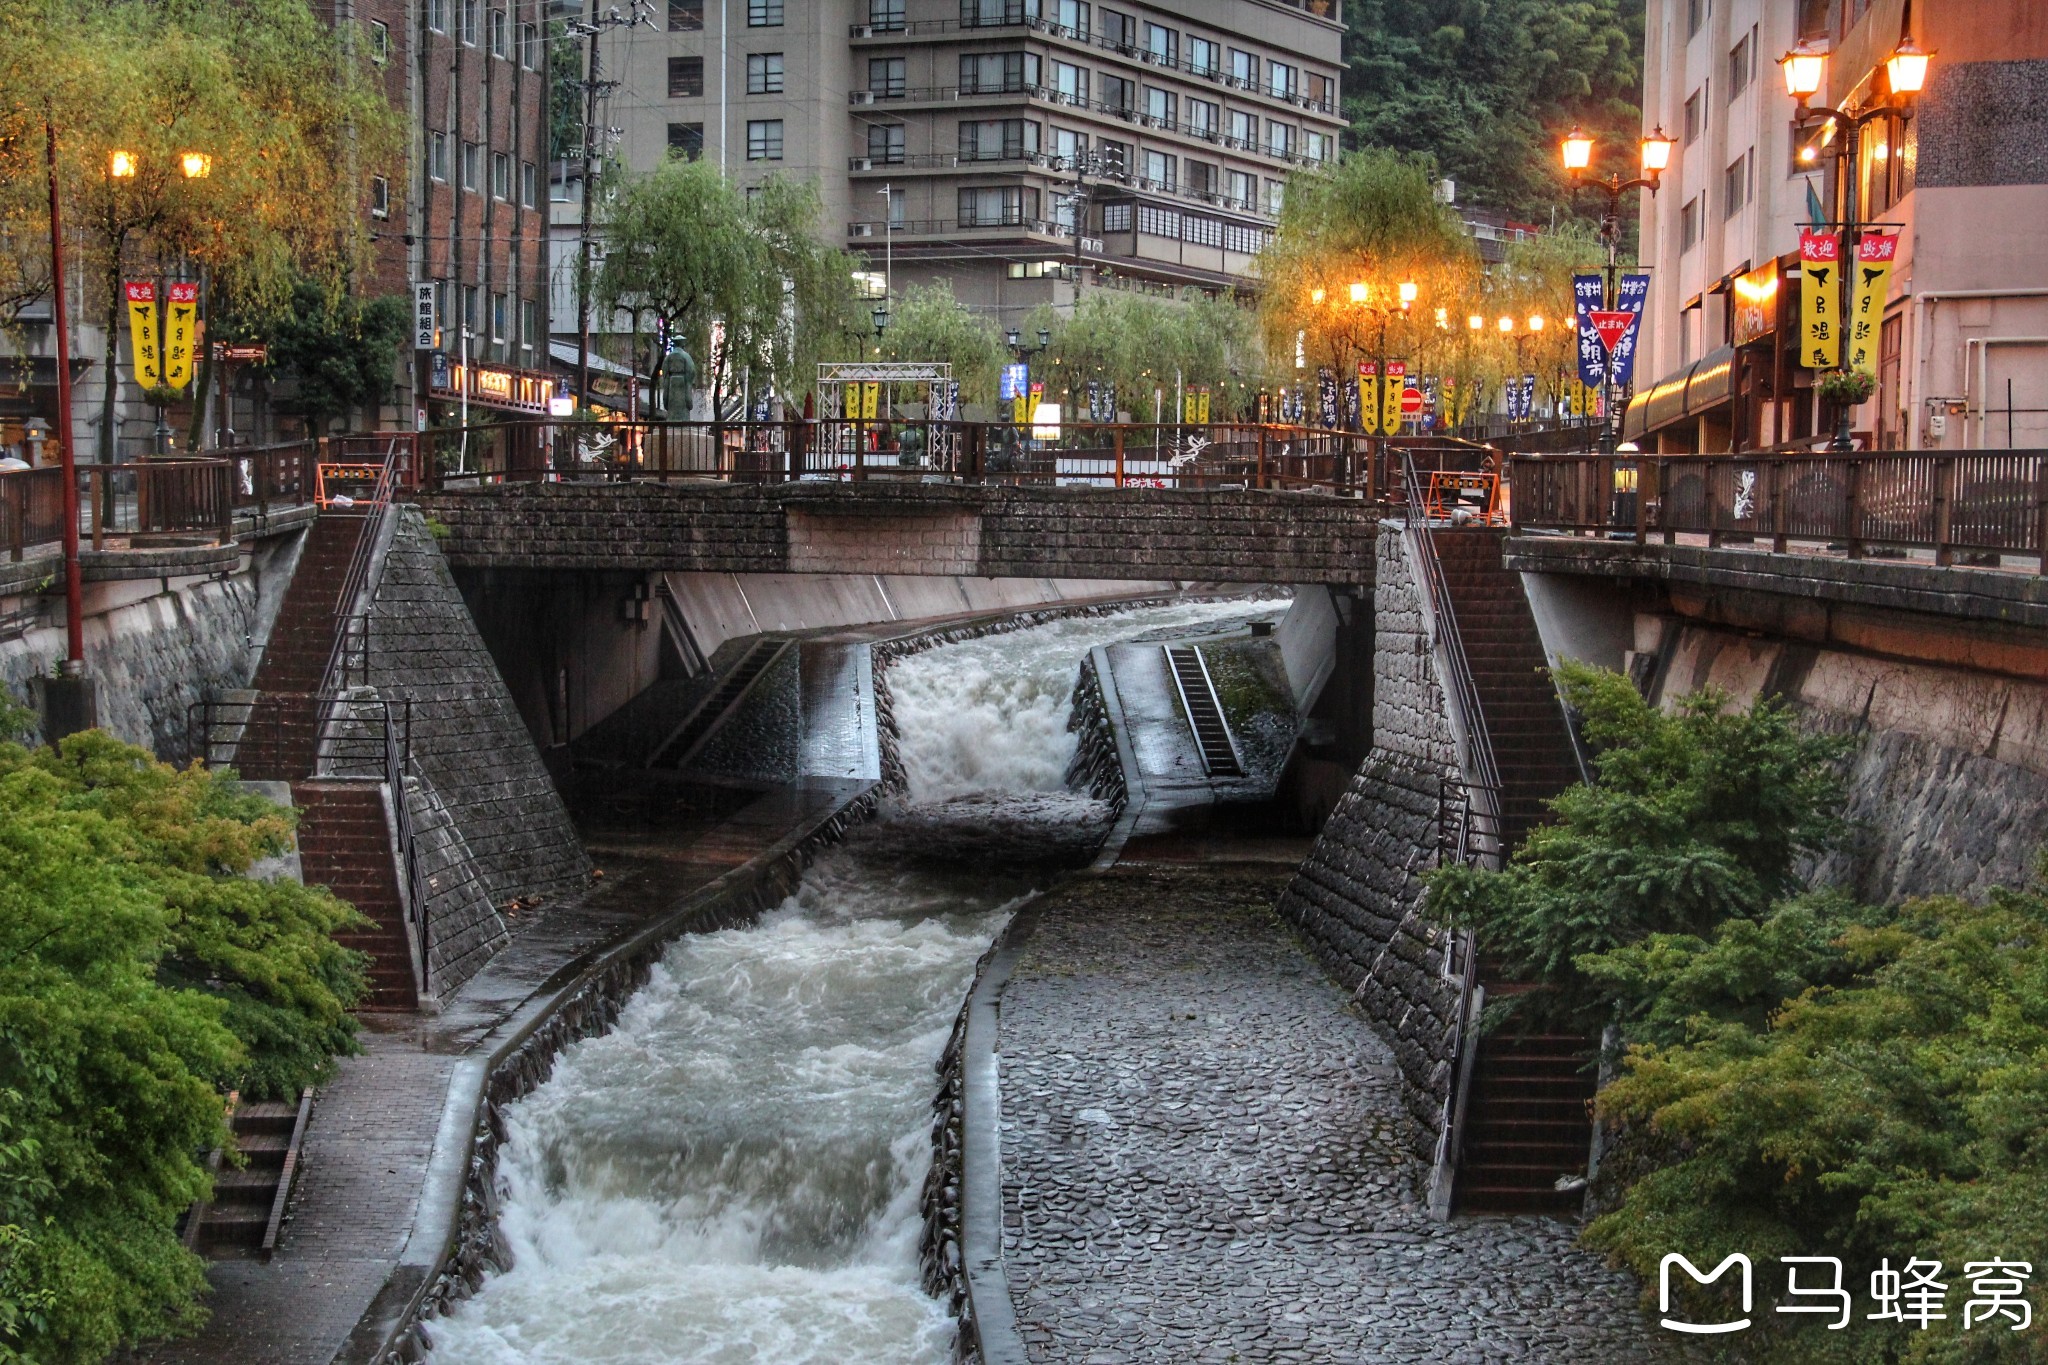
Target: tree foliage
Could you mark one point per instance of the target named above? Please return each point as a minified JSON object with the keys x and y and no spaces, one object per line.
{"x":1695,"y":818}
{"x":927,"y":323}
{"x":142,"y":975}
{"x":1143,"y":343}
{"x":335,"y":350}
{"x":684,"y":247}
{"x":1485,"y":88}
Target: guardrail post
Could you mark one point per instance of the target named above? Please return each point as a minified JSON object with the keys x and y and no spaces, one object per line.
{"x":1944,"y":493}
{"x":1262,"y":458}
{"x":224,"y":485}
{"x":96,"y":484}
{"x":1777,"y":468}
{"x":2041,"y":510}
{"x":1646,"y":475}
{"x":1117,"y":439}
{"x":14,"y":506}
{"x":1853,"y":540}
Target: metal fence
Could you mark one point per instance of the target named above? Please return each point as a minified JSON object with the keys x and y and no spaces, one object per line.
{"x":1975,"y":503}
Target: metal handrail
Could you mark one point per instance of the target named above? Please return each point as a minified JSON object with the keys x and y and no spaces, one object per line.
{"x":351,"y":616}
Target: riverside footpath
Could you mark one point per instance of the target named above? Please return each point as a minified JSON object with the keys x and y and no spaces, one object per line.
{"x":1201,"y":1157}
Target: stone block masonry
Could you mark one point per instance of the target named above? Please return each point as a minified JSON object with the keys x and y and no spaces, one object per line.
{"x":1211,"y":536}
{"x":1358,"y":898}
{"x":489,"y":822}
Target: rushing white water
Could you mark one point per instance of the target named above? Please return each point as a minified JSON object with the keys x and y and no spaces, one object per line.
{"x":732,"y":1174}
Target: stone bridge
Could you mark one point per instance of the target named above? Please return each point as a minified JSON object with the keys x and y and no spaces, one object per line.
{"x":1219,"y":536}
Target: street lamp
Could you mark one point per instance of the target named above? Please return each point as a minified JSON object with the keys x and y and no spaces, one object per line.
{"x":1653,"y":155}
{"x":195,"y":165}
{"x":1805,"y":68}
{"x":880,"y":317}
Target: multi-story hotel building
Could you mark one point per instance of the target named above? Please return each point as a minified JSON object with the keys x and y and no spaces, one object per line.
{"x":957,"y":139}
{"x":1961,"y":355}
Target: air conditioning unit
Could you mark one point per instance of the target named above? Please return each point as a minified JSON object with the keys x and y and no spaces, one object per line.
{"x":862,"y":97}
{"x":863,"y":163}
{"x":860,"y":229}
{"x":863,"y":30}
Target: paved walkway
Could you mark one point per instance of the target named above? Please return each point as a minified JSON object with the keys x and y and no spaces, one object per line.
{"x":1201,"y":1160}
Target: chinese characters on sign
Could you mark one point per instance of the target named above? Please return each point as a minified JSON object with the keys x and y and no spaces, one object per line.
{"x":1874,"y":253}
{"x":1913,"y":1295}
{"x":178,"y":335}
{"x":142,"y":333}
{"x":1390,"y":396}
{"x":1820,"y":338}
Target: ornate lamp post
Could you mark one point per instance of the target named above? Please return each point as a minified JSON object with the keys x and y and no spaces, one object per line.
{"x":1841,"y":128}
{"x":1654,"y":152}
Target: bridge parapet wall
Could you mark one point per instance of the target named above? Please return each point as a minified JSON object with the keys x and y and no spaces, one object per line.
{"x":1221,"y":536}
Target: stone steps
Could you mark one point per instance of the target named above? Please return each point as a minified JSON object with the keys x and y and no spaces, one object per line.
{"x":345,"y":845}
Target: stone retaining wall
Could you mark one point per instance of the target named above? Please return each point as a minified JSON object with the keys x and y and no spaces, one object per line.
{"x":1097,"y":768}
{"x":1358,"y":898}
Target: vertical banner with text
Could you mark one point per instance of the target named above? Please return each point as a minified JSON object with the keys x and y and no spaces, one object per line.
{"x":1587,"y":296}
{"x":1874,"y":256}
{"x":1368,"y":395}
{"x":1633,"y":293}
{"x":1390,"y":396}
{"x":1820,"y":333}
{"x":1326,"y":399}
{"x":142,"y":332}
{"x":181,"y":321}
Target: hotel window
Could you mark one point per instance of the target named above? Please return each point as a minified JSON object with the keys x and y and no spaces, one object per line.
{"x":764,"y":139}
{"x":1276,"y":195}
{"x":997,"y":206}
{"x":1735,"y":186}
{"x":1116,"y":217}
{"x":437,"y":15}
{"x":987,"y":73}
{"x":764,"y":13}
{"x":1117,"y":94}
{"x":469,"y":17}
{"x":1244,"y":130}
{"x":1069,"y":146}
{"x":885,"y":16}
{"x":1244,"y":70}
{"x":1696,"y":12}
{"x":1205,"y":58}
{"x":380,"y":42}
{"x":764,"y":73}
{"x":686,"y":140}
{"x":1070,"y":82}
{"x":1072,"y":17}
{"x":500,"y":33}
{"x":501,"y":176}
{"x":469,"y":296}
{"x":1689,"y":225}
{"x":1319,"y":146}
{"x":1115,"y":157}
{"x":1741,"y":67}
{"x":685,"y":16}
{"x":1243,"y":187}
{"x":1280,"y":80}
{"x":685,"y":78}
{"x":1322,"y":93}
{"x":1159,"y":107}
{"x":1280,"y":138}
{"x":1202,"y":177}
{"x":437,"y":156}
{"x":885,"y":77}
{"x":529,"y":46}
{"x":1120,"y":32}
{"x":529,"y":184}
{"x":1159,"y":168}
{"x":472,"y":166}
{"x":380,"y":197}
{"x":529,"y":323}
{"x":499,"y":316}
{"x":1162,"y":45}
{"x":1204,"y":118}
{"x":1693,"y":122}
{"x":885,"y":144}
{"x":1007,"y":139}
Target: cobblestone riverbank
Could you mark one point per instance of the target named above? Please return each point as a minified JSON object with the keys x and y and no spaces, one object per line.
{"x":1203,"y":1158}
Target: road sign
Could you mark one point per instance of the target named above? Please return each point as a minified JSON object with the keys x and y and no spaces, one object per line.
{"x":1610,"y":325}
{"x":1411,"y":402}
{"x":254,"y":355}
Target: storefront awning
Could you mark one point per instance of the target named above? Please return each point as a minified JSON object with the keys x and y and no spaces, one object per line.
{"x":1686,"y":392}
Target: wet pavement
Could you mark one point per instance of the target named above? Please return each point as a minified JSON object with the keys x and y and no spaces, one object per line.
{"x":1202,"y":1159}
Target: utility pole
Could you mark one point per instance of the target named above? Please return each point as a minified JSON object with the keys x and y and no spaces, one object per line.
{"x":589,"y":29}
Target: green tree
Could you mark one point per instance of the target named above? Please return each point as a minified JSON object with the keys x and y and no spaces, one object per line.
{"x":1142,"y":342}
{"x":1695,"y":817}
{"x":335,"y":350}
{"x":927,"y":323}
{"x":1485,"y":88}
{"x":142,"y":975}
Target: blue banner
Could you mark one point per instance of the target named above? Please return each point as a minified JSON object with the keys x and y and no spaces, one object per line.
{"x":1634,"y":291}
{"x":1588,"y":295}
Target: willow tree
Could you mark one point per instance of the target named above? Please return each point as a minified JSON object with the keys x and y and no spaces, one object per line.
{"x":1350,"y":236}
{"x":684,"y":249}
{"x":290,"y":121}
{"x":927,"y":323}
{"x":1145,"y":344}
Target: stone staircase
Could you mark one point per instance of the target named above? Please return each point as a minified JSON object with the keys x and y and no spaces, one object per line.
{"x":278,"y":742}
{"x":345,"y":845}
{"x":1527,"y":1121}
{"x":242,"y":1218}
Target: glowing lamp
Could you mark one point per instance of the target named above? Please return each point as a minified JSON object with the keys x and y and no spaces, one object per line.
{"x":195,"y":165}
{"x":1805,"y":67}
{"x":121,"y":165}
{"x":1408,"y":292}
{"x":1656,"y":152}
{"x":1907,"y":68}
{"x":1536,"y":323}
{"x":1506,"y":325}
{"x":1315,"y":296}
{"x":1578,"y":150}
{"x":1475,"y":322}
{"x":1358,"y":293}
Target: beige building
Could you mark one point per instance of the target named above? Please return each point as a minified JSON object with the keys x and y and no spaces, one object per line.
{"x":951,"y":139}
{"x":1963,"y":346}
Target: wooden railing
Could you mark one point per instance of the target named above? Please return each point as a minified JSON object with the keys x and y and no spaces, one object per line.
{"x":167,"y":497}
{"x":1973,"y":503}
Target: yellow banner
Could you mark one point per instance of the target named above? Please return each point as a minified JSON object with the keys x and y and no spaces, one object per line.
{"x":1820,"y":296}
{"x":142,"y":333}
{"x":1390,"y":396}
{"x":1368,"y":394}
{"x":1874,"y":255}
{"x":180,"y":326}
{"x":1202,"y":407}
{"x":1020,"y":408}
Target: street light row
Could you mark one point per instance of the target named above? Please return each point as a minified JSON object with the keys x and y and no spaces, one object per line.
{"x":125,"y":165}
